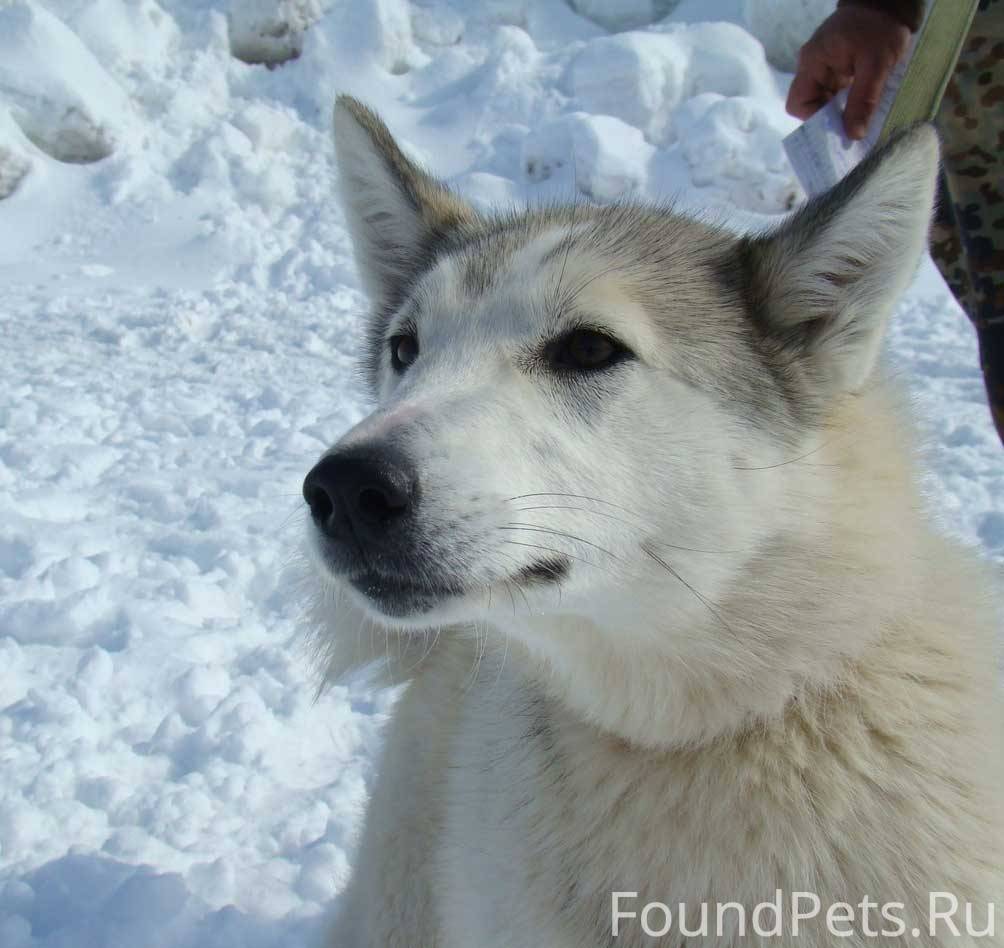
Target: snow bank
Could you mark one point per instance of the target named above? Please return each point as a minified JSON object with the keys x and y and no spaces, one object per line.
{"x":624,"y":15}
{"x":130,"y":34}
{"x":608,"y":158}
{"x":702,"y":91}
{"x":638,"y":77}
{"x":55,"y":88}
{"x":263,"y":31}
{"x":271,"y":33}
{"x":732,"y":145}
{"x":15,"y":150}
{"x":784,"y":27}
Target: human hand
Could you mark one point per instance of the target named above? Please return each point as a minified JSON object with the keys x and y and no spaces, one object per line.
{"x":856,"y":47}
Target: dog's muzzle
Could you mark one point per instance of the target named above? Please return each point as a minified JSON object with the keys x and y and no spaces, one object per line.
{"x":364,"y":503}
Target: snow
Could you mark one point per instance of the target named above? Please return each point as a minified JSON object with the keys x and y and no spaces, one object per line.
{"x":179,"y":317}
{"x":57,"y":91}
{"x":608,"y":157}
{"x":784,"y":27}
{"x":624,"y":15}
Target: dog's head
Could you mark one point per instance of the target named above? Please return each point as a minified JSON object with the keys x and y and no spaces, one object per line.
{"x":572,"y":399}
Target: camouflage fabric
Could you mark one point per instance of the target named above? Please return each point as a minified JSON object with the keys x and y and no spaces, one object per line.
{"x":968,"y":238}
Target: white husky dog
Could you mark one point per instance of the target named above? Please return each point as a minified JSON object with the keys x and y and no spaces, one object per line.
{"x":639,"y":519}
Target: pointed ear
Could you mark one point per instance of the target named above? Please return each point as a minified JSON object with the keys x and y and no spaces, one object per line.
{"x":396,"y":212}
{"x":826,"y":282}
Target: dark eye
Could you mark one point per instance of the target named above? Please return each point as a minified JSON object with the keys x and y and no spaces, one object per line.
{"x":585,"y":350}
{"x":403,"y":351}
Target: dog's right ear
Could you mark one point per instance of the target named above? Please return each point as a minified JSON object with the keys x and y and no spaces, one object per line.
{"x":826,"y":282}
{"x":396,"y":212}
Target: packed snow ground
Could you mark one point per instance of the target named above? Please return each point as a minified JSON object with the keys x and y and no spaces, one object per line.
{"x":179,"y":316}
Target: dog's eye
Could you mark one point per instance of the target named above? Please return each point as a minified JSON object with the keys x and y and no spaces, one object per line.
{"x":585,"y":350}
{"x":403,"y":351}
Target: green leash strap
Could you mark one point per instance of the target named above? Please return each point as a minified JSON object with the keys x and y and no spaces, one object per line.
{"x":936,"y":51}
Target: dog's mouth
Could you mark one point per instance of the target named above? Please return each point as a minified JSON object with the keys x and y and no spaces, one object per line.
{"x":401,"y":597}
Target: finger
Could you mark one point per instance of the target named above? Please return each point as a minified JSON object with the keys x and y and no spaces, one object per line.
{"x":839,"y":82}
{"x":804,"y":96}
{"x":821,"y":72}
{"x":870,"y":77}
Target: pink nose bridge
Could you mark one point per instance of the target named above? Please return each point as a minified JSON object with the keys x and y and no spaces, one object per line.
{"x":381,"y":424}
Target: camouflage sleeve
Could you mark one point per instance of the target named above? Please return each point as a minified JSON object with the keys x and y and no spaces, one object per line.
{"x":908,"y":12}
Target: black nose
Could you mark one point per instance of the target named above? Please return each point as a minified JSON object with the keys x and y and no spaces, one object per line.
{"x":360,"y":493}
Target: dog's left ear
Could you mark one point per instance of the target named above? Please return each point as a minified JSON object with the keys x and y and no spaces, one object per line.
{"x":826,"y":282}
{"x":396,"y":211}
